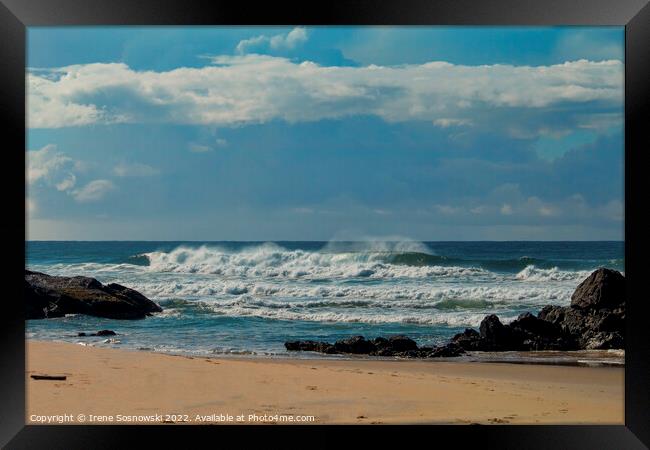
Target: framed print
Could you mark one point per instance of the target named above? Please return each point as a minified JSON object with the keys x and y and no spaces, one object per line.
{"x":361,"y":213}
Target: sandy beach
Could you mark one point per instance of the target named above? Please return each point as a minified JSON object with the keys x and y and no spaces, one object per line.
{"x":120,"y":386}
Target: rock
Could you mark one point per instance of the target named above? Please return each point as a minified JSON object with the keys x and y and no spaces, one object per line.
{"x":395,"y":346}
{"x":49,"y":296}
{"x":553,"y":314}
{"x":589,"y":329}
{"x":604,"y":341}
{"x":401,"y":343}
{"x":491,"y":328}
{"x":603,"y":289}
{"x":99,"y":333}
{"x":494,"y":335}
{"x":310,"y":346}
{"x":530,"y":324}
{"x":356,"y":345}
{"x":527,"y":332}
{"x":594,"y":320}
{"x":469,"y":339}
{"x":449,"y":350}
{"x":105,"y":333}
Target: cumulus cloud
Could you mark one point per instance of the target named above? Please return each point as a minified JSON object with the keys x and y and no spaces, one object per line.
{"x":286,"y":41}
{"x":50,"y":167}
{"x":134,"y":170}
{"x":93,"y":191}
{"x":252,"y":89}
{"x":66,"y":183}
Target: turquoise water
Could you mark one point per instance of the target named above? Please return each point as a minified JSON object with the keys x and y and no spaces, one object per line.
{"x":250,"y":297}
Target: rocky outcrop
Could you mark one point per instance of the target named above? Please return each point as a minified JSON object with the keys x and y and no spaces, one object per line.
{"x":595,"y":319}
{"x":603,"y":289}
{"x":396,"y":346}
{"x":51,"y":296}
{"x":591,"y":329}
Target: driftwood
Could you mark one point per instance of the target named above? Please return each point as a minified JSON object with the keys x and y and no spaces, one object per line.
{"x":48,"y":377}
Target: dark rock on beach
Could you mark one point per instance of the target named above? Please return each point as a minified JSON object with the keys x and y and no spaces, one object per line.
{"x":106,"y":333}
{"x":449,"y":350}
{"x":99,"y":333}
{"x":310,"y":346}
{"x":396,"y":346}
{"x":595,"y":319}
{"x":356,"y":345}
{"x":603,"y":289}
{"x":49,"y":296}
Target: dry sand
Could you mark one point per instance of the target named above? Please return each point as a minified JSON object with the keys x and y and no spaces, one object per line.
{"x":109,"y":382}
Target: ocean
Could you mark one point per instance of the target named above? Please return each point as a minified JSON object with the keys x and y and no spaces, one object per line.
{"x":248,"y":298}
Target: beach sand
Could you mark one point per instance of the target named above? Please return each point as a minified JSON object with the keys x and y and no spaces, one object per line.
{"x":111,"y":382}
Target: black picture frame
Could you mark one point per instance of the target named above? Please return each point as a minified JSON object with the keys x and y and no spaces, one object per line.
{"x":16,"y":15}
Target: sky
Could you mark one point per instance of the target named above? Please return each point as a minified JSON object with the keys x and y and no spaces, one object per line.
{"x":325,"y":133}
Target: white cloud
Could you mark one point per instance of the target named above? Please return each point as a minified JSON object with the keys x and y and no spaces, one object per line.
{"x":248,"y":89}
{"x":93,"y":191}
{"x":506,"y":209}
{"x":50,"y":167}
{"x":447,"y":209}
{"x":286,"y":41}
{"x":199,"y":148}
{"x":67,"y":183}
{"x":600,"y":121}
{"x":447,"y":122}
{"x":134,"y":170}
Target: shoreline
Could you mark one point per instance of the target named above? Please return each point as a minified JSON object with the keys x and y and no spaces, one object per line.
{"x":107,"y":381}
{"x":573,"y":358}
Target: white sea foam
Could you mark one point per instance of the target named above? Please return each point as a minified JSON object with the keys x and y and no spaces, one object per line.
{"x":332,"y":285}
{"x":532,"y":273}
{"x":463,"y":318}
{"x":410,"y":295}
{"x":273,"y":261}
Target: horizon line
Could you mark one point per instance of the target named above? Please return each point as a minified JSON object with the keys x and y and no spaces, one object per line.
{"x":318,"y":240}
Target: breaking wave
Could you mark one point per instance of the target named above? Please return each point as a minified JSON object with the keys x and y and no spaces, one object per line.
{"x":273,"y":261}
{"x":369,"y":313}
{"x":410,"y":296}
{"x":374,"y":262}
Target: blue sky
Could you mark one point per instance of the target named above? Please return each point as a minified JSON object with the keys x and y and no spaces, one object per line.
{"x":319,"y":133}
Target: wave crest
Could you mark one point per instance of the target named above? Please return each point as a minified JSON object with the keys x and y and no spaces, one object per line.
{"x":533,"y":273}
{"x":272,"y":261}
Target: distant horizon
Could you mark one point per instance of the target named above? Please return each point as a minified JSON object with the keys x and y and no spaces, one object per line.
{"x":305,"y":240}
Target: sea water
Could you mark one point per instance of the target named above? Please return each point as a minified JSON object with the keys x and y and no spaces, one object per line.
{"x":250,"y":297}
